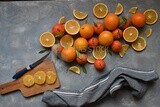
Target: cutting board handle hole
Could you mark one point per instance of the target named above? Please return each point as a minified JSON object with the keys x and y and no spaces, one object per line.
{"x":2,"y":88}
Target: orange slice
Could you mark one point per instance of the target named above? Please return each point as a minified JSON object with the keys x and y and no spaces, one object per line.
{"x":62,"y":20}
{"x":100,"y":10}
{"x":119,"y":9}
{"x":148,"y":32}
{"x":151,"y":16}
{"x":140,"y":44}
{"x":72,"y":27}
{"x":79,"y":14}
{"x":66,"y":41}
{"x":123,"y":50}
{"x":130,"y":34}
{"x":47,"y":39}
{"x":51,"y":77}
{"x":40,"y":77}
{"x":28,"y":80}
{"x":75,"y":69}
{"x":99,"y":52}
{"x":133,"y":10}
{"x":91,"y":59}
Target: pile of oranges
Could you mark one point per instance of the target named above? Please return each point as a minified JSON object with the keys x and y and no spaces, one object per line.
{"x":75,"y":42}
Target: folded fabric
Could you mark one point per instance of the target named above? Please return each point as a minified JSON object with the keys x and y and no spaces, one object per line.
{"x":106,"y":84}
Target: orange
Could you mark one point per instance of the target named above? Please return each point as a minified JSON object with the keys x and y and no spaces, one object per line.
{"x":81,"y":58}
{"x":151,"y":16}
{"x":68,"y":54}
{"x":79,"y":14}
{"x":111,"y":21}
{"x":28,"y":80}
{"x":75,"y":69}
{"x":62,"y":20}
{"x":47,"y":39}
{"x":72,"y":27}
{"x":123,"y":50}
{"x":86,"y":31}
{"x":99,"y":52}
{"x":66,"y":41}
{"x":133,"y":10}
{"x":99,"y":64}
{"x":119,"y":9}
{"x":148,"y":32}
{"x":106,"y":38}
{"x":130,"y":34}
{"x":40,"y":77}
{"x":81,"y":44}
{"x":91,"y":59}
{"x":138,"y":19}
{"x":100,"y":10}
{"x":51,"y":77}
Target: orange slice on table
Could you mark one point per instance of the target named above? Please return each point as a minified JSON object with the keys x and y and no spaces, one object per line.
{"x":62,"y":20}
{"x":66,"y":41}
{"x":47,"y":39}
{"x":28,"y":80}
{"x":40,"y":77}
{"x":51,"y":77}
{"x":75,"y":69}
{"x":119,"y":9}
{"x":140,"y":44}
{"x":79,"y":14}
{"x":72,"y":27}
{"x":151,"y":16}
{"x":91,"y":59}
{"x":99,"y":52}
{"x":133,"y":10}
{"x":130,"y":34}
{"x":148,"y":32}
{"x":123,"y":50}
{"x":100,"y":10}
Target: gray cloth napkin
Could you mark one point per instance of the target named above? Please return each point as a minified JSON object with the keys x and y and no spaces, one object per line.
{"x":106,"y":84}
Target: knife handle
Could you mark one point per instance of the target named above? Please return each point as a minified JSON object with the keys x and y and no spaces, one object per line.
{"x":21,"y":72}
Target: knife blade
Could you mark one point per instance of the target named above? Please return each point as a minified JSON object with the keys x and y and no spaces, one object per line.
{"x":29,"y":67}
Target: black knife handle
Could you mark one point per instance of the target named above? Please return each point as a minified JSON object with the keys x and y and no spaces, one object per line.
{"x":21,"y":72}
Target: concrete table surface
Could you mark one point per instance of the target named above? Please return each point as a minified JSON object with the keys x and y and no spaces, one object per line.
{"x":21,"y":24}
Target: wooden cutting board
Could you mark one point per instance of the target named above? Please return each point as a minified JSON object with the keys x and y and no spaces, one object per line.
{"x":15,"y":85}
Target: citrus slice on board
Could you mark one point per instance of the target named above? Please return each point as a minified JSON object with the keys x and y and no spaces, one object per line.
{"x":99,"y":52}
{"x":66,"y":41}
{"x":140,"y":44}
{"x":151,"y":16}
{"x":72,"y":27}
{"x":119,"y":9}
{"x":28,"y":80}
{"x":100,"y":10}
{"x":75,"y":69}
{"x":47,"y":39}
{"x":133,"y":10}
{"x":91,"y":59}
{"x":51,"y":77}
{"x":79,"y":14}
{"x":148,"y":32}
{"x":40,"y":77}
{"x":123,"y":50}
{"x":62,"y":20}
{"x":130,"y":34}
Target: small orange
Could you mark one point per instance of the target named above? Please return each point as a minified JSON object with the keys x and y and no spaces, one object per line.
{"x":138,"y":19}
{"x":68,"y":54}
{"x":86,"y":31}
{"x":81,"y":44}
{"x":99,"y":64}
{"x":106,"y":38}
{"x":111,"y":21}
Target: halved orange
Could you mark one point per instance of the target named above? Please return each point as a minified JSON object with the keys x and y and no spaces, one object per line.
{"x":79,"y":14}
{"x":99,"y":52}
{"x":66,"y":41}
{"x":47,"y":39}
{"x":130,"y":34}
{"x":75,"y":69}
{"x":40,"y":77}
{"x":72,"y":27}
{"x":133,"y":10}
{"x":140,"y":44}
{"x":100,"y":10}
{"x":28,"y":80}
{"x":151,"y":16}
{"x":123,"y":50}
{"x":91,"y":59}
{"x":119,"y":9}
{"x":62,"y":20}
{"x":51,"y":77}
{"x":148,"y":32}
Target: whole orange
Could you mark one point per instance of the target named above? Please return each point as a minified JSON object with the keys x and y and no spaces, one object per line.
{"x":111,"y":21}
{"x":138,"y":19}
{"x":81,"y":44}
{"x":82,"y":58}
{"x":68,"y":54}
{"x":116,"y":46}
{"x":93,"y":42}
{"x":86,"y":31}
{"x":106,"y":38}
{"x":99,"y":64}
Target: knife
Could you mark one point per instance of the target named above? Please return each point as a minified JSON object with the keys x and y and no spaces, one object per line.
{"x":29,"y":67}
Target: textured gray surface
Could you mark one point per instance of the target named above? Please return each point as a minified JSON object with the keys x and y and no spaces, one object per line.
{"x":21,"y":24}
